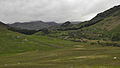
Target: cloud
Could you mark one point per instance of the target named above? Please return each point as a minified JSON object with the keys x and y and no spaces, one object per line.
{"x":52,"y":10}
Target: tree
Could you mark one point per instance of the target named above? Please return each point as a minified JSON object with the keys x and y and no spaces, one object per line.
{"x":116,"y":36}
{"x":45,"y":31}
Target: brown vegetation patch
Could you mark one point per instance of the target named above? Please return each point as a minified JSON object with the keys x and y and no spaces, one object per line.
{"x":79,"y":48}
{"x":111,"y":24}
{"x":91,"y":57}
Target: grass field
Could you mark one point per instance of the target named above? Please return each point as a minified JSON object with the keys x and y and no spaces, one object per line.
{"x":76,"y":56}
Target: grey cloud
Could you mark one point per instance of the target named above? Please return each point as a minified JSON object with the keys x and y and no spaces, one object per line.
{"x":52,"y":10}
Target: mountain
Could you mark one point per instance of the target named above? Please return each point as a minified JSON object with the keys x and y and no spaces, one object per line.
{"x":75,"y":22}
{"x":33,"y":25}
{"x":104,"y":26}
{"x":3,"y":26}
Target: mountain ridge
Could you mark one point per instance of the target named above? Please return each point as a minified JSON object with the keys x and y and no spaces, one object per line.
{"x":33,"y":25}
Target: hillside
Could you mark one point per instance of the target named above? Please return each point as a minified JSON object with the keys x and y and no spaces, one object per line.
{"x":104,"y":26}
{"x":33,"y":25}
{"x":12,"y":42}
{"x":3,"y":26}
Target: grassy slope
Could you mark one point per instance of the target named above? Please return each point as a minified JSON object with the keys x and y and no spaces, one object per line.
{"x":12,"y":42}
{"x":105,"y":27}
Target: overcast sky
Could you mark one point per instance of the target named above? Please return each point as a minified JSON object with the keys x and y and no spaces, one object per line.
{"x":52,"y":10}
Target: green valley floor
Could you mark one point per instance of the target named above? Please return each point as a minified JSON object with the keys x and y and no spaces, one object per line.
{"x":76,"y":56}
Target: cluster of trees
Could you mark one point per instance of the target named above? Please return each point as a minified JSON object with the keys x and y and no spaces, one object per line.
{"x":45,"y":31}
{"x":23,"y":31}
{"x":115,"y":36}
{"x":105,"y":43}
{"x":76,"y":34}
{"x":94,"y":36}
